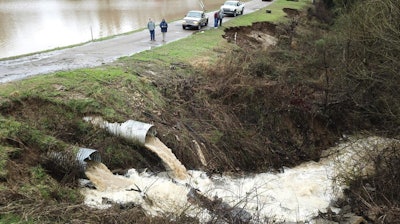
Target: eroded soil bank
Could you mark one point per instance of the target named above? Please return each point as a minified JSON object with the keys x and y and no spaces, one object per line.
{"x":265,"y":106}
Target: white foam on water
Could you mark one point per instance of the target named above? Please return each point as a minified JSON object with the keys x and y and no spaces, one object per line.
{"x":295,"y":195}
{"x":157,"y":195}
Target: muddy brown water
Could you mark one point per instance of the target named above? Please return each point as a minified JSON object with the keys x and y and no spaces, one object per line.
{"x":32,"y":26}
{"x":171,"y":163}
{"x":104,"y":179}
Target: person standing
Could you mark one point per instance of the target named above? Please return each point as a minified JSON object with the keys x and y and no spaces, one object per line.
{"x":164,"y":28}
{"x":216,"y":14}
{"x":151,"y":26}
{"x":221,"y":15}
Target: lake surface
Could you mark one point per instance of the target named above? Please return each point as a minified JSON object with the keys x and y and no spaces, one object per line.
{"x":28,"y":26}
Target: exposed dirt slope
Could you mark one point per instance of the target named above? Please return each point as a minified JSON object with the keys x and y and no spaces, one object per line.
{"x":264,"y":107}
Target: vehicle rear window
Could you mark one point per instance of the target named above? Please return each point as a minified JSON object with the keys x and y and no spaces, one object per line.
{"x":194,"y":14}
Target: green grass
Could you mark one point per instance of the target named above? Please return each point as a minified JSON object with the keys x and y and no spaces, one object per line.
{"x":209,"y":42}
{"x":108,"y":90}
{"x":103,"y":90}
{"x":112,"y":92}
{"x":276,"y":14}
{"x":197,"y":45}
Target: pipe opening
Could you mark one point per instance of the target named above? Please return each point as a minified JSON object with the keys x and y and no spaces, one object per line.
{"x":84,"y":155}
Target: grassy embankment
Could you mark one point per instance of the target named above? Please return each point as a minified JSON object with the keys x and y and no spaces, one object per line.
{"x":43,"y":114}
{"x":207,"y":44}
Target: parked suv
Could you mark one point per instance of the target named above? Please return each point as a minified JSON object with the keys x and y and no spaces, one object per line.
{"x":195,"y":19}
{"x":233,"y":8}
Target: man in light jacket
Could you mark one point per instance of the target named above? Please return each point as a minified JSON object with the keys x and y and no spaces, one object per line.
{"x":151,"y":26}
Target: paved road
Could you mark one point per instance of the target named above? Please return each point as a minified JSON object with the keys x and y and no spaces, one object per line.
{"x":101,"y":52}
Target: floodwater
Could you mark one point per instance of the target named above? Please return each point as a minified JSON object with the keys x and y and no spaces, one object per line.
{"x":28,"y":26}
{"x":296,"y":195}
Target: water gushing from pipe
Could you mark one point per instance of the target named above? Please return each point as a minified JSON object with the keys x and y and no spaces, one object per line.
{"x":144,"y":134}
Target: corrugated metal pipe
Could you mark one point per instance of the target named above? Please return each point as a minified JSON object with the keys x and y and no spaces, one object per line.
{"x":85,"y":154}
{"x":135,"y":131}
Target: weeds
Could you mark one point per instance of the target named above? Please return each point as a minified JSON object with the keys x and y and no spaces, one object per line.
{"x":252,"y":110}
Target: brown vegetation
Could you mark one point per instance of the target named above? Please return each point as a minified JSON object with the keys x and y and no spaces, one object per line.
{"x":261,"y":109}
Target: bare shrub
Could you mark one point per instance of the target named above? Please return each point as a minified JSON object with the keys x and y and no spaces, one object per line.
{"x":368,"y":71}
{"x":377,"y":196}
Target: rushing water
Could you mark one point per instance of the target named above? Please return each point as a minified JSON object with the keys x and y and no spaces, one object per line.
{"x":104,"y":179}
{"x":171,"y":163}
{"x":134,"y":131}
{"x":296,"y":195}
{"x":28,"y":26}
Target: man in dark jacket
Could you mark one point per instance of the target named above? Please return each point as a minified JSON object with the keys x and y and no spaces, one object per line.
{"x":164,"y":28}
{"x":216,"y":15}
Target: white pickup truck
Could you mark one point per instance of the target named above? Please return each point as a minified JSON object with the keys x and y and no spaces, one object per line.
{"x":233,"y":8}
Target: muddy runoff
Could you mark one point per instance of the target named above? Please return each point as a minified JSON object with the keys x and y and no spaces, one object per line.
{"x":104,"y":179}
{"x":296,"y":194}
{"x":143,"y":134}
